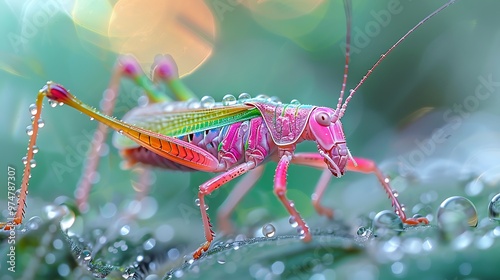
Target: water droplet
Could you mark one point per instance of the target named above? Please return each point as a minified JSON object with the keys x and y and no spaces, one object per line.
{"x":262,"y":96}
{"x":461,"y":207}
{"x":53,"y":211}
{"x":91,"y":118}
{"x":52,"y":103}
{"x":295,"y":102}
{"x":120,"y":131}
{"x":60,"y":103}
{"x":86,"y":255}
{"x":68,"y":219}
{"x":228,"y":99}
{"x":244,"y":96}
{"x":364,"y":232}
{"x":33,"y":110}
{"x":18,"y":193}
{"x":40,"y":123}
{"x":274,"y":99}
{"x":25,"y":160}
{"x":206,"y":207}
{"x":32,"y":163}
{"x":197,"y":202}
{"x":387,"y":223}
{"x":494,"y":208}
{"x":395,"y":193}
{"x":35,"y":149}
{"x":29,"y":130}
{"x":124,"y":230}
{"x":207,"y":102}
{"x":292,"y":221}
{"x":193,"y":103}
{"x":32,"y":118}
{"x":268,"y":230}
{"x":34,"y":223}
{"x":149,"y":244}
{"x":221,"y":260}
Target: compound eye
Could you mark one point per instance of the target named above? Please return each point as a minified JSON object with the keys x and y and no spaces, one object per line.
{"x":323,"y":118}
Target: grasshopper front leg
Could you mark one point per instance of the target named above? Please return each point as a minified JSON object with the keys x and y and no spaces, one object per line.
{"x":362,"y":165}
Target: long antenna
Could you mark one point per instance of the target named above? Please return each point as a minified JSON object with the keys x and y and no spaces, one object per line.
{"x":383,"y":56}
{"x":348,"y":19}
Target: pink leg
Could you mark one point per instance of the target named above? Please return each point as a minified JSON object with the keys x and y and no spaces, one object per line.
{"x":321,"y":186}
{"x":316,"y":160}
{"x":243,"y":186}
{"x":368,"y":166}
{"x":206,"y":189}
{"x":280,"y":191}
{"x":363,"y":165}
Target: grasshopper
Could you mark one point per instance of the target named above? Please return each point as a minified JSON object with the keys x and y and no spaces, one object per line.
{"x":231,"y":138}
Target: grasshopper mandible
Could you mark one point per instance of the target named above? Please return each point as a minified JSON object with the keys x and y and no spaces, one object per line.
{"x":231,"y":138}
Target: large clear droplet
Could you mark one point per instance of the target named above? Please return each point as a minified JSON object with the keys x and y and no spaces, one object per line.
{"x":32,"y":163}
{"x":25,"y":160}
{"x":459,"y":207}
{"x":244,"y":96}
{"x":387,"y":223}
{"x":197,"y":202}
{"x":494,"y":208}
{"x":228,"y":99}
{"x":68,"y":219}
{"x":295,"y":102}
{"x":33,"y":109}
{"x":268,"y":230}
{"x":207,"y":102}
{"x":292,"y":221}
{"x":35,"y":149}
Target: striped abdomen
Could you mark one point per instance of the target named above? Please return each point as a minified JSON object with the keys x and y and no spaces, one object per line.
{"x":231,"y":144}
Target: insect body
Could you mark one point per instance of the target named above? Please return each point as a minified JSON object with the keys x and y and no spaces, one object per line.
{"x":230,"y":138}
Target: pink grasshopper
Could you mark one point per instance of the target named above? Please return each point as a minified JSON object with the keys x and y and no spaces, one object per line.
{"x":230,"y":138}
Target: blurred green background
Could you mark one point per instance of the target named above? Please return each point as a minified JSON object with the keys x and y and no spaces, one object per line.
{"x":289,"y":49}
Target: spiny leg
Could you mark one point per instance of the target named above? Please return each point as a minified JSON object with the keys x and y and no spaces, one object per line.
{"x":280,"y":191}
{"x":362,"y":165}
{"x":368,"y":166}
{"x":241,"y":188}
{"x":29,"y":163}
{"x":206,"y":189}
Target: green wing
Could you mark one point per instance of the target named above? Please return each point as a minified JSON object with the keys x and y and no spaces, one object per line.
{"x":182,"y":121}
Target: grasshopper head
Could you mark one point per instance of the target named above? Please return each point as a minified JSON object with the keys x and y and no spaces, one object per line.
{"x":326,"y":129}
